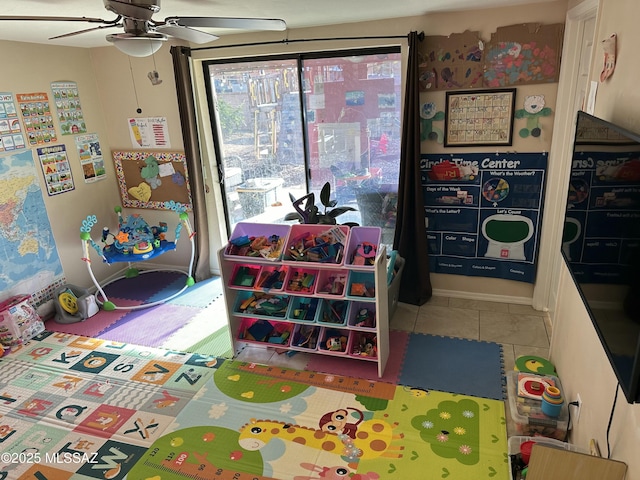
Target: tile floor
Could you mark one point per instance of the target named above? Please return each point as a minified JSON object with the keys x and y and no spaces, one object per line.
{"x":520,"y":330}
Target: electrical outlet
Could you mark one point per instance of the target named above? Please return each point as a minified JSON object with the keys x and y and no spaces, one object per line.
{"x":575,"y":413}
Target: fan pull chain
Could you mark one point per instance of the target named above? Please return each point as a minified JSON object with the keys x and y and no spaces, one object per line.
{"x":135,"y":92}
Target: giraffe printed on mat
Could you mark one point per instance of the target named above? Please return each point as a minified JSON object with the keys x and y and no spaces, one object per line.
{"x":373,"y":439}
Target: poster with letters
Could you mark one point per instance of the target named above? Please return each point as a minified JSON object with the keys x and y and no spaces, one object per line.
{"x":483,"y":213}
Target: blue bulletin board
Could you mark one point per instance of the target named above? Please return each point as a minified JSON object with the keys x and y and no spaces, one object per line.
{"x":483,"y":213}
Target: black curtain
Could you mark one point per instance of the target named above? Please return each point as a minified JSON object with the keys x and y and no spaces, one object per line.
{"x":410,"y":238}
{"x":186,"y":106}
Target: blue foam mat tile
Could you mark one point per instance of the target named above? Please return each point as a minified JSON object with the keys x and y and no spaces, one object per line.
{"x":454,"y":365}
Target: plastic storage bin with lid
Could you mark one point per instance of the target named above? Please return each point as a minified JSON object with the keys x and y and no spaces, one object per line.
{"x":515,"y":445}
{"x":526,"y":409}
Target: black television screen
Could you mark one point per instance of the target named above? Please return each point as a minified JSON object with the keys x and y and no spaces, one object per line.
{"x":601,"y":239}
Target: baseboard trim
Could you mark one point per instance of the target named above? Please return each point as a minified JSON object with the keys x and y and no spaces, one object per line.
{"x":487,"y":297}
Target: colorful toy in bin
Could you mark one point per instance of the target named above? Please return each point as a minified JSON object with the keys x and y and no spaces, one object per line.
{"x":533,"y":364}
{"x":333,"y":284}
{"x":337,"y":343}
{"x":264,"y":331}
{"x":256,"y":246}
{"x":264,"y":304}
{"x":365,"y":345}
{"x":306,"y":336}
{"x":364,"y":254}
{"x":552,"y":401}
{"x":365,"y":318}
{"x":324,"y":247}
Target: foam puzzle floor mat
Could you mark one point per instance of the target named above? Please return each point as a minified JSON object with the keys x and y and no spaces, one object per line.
{"x":82,"y":408}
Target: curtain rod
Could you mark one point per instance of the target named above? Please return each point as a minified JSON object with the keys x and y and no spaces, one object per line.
{"x":285,"y":41}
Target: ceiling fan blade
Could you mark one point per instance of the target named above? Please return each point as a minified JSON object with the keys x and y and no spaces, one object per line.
{"x":186,"y":33}
{"x":58,"y":19}
{"x":99,"y":27}
{"x":230,"y":22}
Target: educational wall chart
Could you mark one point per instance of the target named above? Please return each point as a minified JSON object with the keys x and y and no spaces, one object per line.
{"x":11,"y":137}
{"x":602,"y":225}
{"x":56,"y":169}
{"x":30,"y":260}
{"x":91,"y":159}
{"x":484,"y":212}
{"x":37,"y":118}
{"x":67,"y":99}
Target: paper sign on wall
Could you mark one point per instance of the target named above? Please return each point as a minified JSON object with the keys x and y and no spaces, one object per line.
{"x":67,"y":99}
{"x":11,"y":137}
{"x":149,"y":132}
{"x":90,"y":154}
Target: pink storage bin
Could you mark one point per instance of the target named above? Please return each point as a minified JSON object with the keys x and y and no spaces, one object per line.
{"x":362,"y":315}
{"x":305,"y":337}
{"x":244,"y":276}
{"x":331,"y":283}
{"x":265,"y":332}
{"x":271,"y":278}
{"x":273,"y":238}
{"x":305,"y":244}
{"x":301,"y":281}
{"x":363,"y":247}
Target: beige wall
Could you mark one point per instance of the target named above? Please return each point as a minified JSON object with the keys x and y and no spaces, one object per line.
{"x":483,"y":21}
{"x":113,"y":86}
{"x":32,"y":68}
{"x":576,"y":351}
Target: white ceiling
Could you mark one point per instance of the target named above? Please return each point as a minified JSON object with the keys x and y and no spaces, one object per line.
{"x":297,"y":14}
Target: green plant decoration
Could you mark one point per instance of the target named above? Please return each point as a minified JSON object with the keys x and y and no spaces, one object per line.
{"x":310,"y":213}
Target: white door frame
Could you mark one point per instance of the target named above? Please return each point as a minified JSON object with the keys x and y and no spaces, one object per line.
{"x":558,"y":170}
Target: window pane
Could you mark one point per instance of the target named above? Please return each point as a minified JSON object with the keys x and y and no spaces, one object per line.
{"x":353,"y":126}
{"x":259,"y":137}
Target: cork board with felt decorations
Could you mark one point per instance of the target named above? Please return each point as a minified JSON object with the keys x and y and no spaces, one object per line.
{"x":149,"y":179}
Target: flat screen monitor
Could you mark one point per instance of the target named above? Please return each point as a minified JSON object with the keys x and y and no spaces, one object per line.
{"x":601,"y":239}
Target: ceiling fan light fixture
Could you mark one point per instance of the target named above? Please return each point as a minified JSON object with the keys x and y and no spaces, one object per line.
{"x":137,"y":45}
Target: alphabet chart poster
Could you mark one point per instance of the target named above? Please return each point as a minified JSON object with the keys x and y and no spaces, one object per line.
{"x":483,"y":213}
{"x":11,"y":137}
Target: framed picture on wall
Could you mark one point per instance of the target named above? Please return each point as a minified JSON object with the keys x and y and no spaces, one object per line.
{"x":479,"y":117}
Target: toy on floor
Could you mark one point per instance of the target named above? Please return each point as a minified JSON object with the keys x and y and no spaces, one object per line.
{"x":74,"y":304}
{"x":135,"y":241}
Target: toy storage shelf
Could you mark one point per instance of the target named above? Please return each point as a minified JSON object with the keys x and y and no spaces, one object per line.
{"x":240,"y":274}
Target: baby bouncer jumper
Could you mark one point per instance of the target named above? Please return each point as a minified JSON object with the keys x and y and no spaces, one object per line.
{"x":135,"y":241}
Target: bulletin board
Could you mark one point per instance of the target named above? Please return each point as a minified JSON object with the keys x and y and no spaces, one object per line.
{"x":149,"y":179}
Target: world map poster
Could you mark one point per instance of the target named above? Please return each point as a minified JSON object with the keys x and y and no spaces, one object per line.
{"x":28,"y":254}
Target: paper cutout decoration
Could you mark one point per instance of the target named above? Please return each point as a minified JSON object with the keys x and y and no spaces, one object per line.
{"x":142,"y":192}
{"x":523,"y":54}
{"x":534,"y":108}
{"x":609,"y":47}
{"x":429,"y":114}
{"x":452,"y":61}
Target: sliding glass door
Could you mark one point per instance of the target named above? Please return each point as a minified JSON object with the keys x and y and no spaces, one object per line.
{"x":288,"y":125}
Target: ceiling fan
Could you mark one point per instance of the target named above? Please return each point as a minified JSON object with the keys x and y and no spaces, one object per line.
{"x":143,"y":36}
